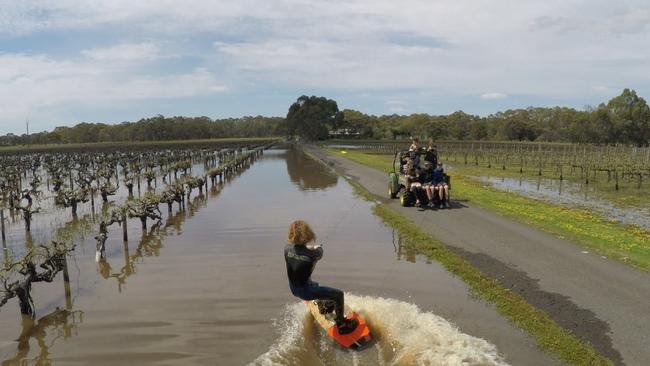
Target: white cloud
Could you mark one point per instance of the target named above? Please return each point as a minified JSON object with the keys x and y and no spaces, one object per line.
{"x":397,"y":105}
{"x":396,"y":102}
{"x":30,"y":83}
{"x":124,"y":52}
{"x":492,"y":96}
{"x":600,"y":88}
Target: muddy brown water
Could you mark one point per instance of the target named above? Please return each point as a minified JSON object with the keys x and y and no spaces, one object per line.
{"x":209,"y":286}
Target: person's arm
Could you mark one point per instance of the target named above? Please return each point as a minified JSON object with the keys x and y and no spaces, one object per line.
{"x":317,"y":251}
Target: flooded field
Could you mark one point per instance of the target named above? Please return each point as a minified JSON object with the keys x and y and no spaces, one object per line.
{"x":209,"y":285}
{"x":571,"y":195}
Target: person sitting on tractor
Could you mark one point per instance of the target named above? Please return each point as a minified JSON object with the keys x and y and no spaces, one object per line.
{"x":427,"y":181}
{"x":415,"y":144}
{"x":440,"y":185}
{"x":430,"y":154}
{"x":415,"y":158}
{"x":415,"y":184}
{"x":403,"y":159}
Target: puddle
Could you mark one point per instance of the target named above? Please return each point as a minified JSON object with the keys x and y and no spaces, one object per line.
{"x":570,"y":195}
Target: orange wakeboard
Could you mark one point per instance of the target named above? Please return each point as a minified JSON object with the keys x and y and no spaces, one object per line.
{"x":357,"y":339}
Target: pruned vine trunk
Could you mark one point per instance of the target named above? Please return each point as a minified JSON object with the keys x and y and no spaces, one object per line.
{"x":125,"y":234}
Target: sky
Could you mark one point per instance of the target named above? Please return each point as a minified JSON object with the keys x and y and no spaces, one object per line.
{"x":68,"y":61}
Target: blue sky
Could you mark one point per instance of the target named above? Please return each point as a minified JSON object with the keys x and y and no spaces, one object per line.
{"x":68,"y":61}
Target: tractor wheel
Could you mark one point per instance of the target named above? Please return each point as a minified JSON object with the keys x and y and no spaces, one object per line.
{"x":404,"y":198}
{"x":391,"y":193}
{"x":393,"y":186}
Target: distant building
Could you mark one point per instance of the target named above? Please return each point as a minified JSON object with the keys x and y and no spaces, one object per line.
{"x":344,"y":132}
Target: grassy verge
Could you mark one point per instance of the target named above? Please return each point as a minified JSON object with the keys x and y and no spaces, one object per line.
{"x":626,"y":243}
{"x":548,"y":335}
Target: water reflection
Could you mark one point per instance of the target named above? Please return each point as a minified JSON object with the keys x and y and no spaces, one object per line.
{"x":152,"y":241}
{"x":403,"y":250}
{"x":5,"y":253}
{"x":75,"y":229}
{"x":29,"y":241}
{"x":60,"y":323}
{"x":307,"y":173}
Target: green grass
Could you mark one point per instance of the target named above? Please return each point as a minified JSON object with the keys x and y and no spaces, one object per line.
{"x":377,"y":161}
{"x":548,"y":335}
{"x":626,"y":243}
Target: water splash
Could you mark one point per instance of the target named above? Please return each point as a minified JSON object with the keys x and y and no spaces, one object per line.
{"x":404,"y":335}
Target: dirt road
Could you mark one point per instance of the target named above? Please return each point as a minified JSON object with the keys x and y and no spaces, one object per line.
{"x":602,"y":301}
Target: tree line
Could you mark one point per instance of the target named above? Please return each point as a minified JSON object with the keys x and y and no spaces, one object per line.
{"x":158,"y":128}
{"x":625,"y":119}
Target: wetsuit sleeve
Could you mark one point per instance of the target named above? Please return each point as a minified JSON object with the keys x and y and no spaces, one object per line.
{"x":318,"y":253}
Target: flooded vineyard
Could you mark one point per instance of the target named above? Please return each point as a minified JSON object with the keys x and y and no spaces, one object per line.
{"x":202,"y":280}
{"x":571,"y":194}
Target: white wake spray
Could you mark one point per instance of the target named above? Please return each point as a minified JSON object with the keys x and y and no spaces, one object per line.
{"x":405,"y":336}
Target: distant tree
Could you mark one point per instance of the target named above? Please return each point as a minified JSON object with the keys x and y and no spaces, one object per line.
{"x":459,"y":125}
{"x":358,"y":122}
{"x":478,"y":130}
{"x":630,"y":117}
{"x":312,"y":117}
{"x":516,"y":129}
{"x":601,"y":127}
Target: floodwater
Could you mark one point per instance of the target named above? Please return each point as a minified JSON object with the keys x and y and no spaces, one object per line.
{"x":571,"y":195}
{"x":209,"y":285}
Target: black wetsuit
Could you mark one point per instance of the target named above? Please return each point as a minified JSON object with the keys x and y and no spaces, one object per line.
{"x":300,"y":265}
